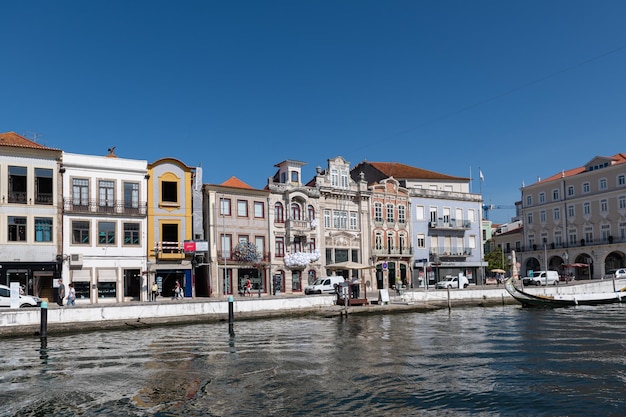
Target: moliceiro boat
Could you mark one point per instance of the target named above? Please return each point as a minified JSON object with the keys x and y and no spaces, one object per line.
{"x":564,"y":300}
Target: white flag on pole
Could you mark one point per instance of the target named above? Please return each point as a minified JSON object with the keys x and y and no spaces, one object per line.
{"x":480,"y":175}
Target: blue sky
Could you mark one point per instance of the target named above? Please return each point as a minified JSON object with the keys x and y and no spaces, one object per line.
{"x":519,"y":90}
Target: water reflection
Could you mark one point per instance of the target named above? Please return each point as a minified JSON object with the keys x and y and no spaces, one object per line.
{"x":481,"y":361}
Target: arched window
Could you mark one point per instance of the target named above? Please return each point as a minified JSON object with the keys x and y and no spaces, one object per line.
{"x":311,"y":212}
{"x":279,"y":214}
{"x":295,"y":211}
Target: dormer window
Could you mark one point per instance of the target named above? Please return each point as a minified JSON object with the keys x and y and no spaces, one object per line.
{"x":295,"y":177}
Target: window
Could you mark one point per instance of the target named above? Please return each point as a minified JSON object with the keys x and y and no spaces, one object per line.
{"x":279,"y":213}
{"x":391,"y":242}
{"x":353,"y":223}
{"x":259,"y":210}
{"x":131,"y":195}
{"x":542,"y":216}
{"x":296,"y":245}
{"x":570,"y":190}
{"x":169,"y":233}
{"x":280,"y":247}
{"x":294,"y":176}
{"x":542,"y":198}
{"x":421,"y":241}
{"x":43,"y":186}
{"x":340,"y":219}
{"x":378,"y":212}
{"x":344,"y":178}
{"x":586,"y":209}
{"x":621,"y":202}
{"x":419,"y":212}
{"x":311,"y":244}
{"x":311,"y":212}
{"x":390,"y":217}
{"x":242,"y":208}
{"x":378,"y":241}
{"x":295,"y":211}
{"x":586,"y":188}
{"x":402,"y":241}
{"x":530,"y":218}
{"x":131,"y":233}
{"x":327,"y":223}
{"x":556,"y":213}
{"x":259,"y":242}
{"x":227,"y":244}
{"x":169,"y":191}
{"x":529,"y":200}
{"x":80,"y":232}
{"x":433,"y":214}
{"x":558,"y":239}
{"x":603,"y":184}
{"x":570,"y":211}
{"x":80,"y":192}
{"x":605,"y":231}
{"x":106,"y":193}
{"x":106,"y":233}
{"x":16,"y":228}
{"x":589,"y":234}
{"x":334,"y":178}
{"x":224,"y":206}
{"x":17,"y":185}
{"x":471,"y":215}
{"x":572,"y":237}
{"x":621,"y":179}
{"x":43,"y":229}
{"x":604,"y":206}
{"x":555,"y":195}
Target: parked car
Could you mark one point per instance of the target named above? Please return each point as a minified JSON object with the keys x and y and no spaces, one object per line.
{"x":25,"y":300}
{"x":615,"y":273}
{"x":453,"y":282}
{"x":324,"y":285}
{"x":542,"y":278}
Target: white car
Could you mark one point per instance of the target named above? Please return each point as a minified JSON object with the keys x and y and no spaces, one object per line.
{"x":616,"y":273}
{"x":25,"y":300}
{"x":453,"y":282}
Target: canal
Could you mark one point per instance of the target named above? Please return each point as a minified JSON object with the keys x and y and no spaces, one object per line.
{"x":496,"y":361}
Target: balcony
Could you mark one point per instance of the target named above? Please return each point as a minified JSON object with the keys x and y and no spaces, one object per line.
{"x":298,"y":227}
{"x":230,"y":256}
{"x":117,"y":208}
{"x":452,"y":224}
{"x":392,"y":252}
{"x":169,"y":250}
{"x":450,"y":252}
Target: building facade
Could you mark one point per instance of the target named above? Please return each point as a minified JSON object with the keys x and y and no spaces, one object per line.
{"x":30,"y":218}
{"x":575,"y":221}
{"x":171,"y":250}
{"x":295,"y":229}
{"x":104,"y":227}
{"x":237,"y":229}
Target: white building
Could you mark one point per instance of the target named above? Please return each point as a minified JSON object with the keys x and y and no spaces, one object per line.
{"x":105,"y":227}
{"x":30,"y":239}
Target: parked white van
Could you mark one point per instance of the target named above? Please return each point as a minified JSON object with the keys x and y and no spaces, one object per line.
{"x":542,"y":278}
{"x":324,"y":285}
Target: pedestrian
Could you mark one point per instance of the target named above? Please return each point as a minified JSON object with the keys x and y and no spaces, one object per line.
{"x":71,"y":297}
{"x":355,"y":287}
{"x":177,"y":290}
{"x":60,"y":293}
{"x":155,"y":291}
{"x":248,"y":287}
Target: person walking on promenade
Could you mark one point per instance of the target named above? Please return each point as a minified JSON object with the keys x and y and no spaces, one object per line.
{"x":155,"y":291}
{"x":177,"y":291}
{"x":60,"y":293}
{"x":71,"y":297}
{"x":248,"y":288}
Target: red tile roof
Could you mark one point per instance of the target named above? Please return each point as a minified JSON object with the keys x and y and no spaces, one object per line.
{"x":14,"y":140}
{"x":235,"y":182}
{"x":401,"y":171}
{"x":616,"y":159}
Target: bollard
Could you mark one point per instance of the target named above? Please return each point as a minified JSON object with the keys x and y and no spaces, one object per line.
{"x":259,"y":291}
{"x":43,"y":326}
{"x":449,"y":303}
{"x":231,"y":316}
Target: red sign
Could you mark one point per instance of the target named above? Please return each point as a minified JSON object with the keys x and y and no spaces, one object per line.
{"x":189,"y":247}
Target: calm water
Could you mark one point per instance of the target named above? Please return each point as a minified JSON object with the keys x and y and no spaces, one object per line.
{"x":478,"y":361}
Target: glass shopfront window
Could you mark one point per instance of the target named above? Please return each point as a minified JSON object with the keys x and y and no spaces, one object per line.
{"x":107,"y":289}
{"x":82,"y":290}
